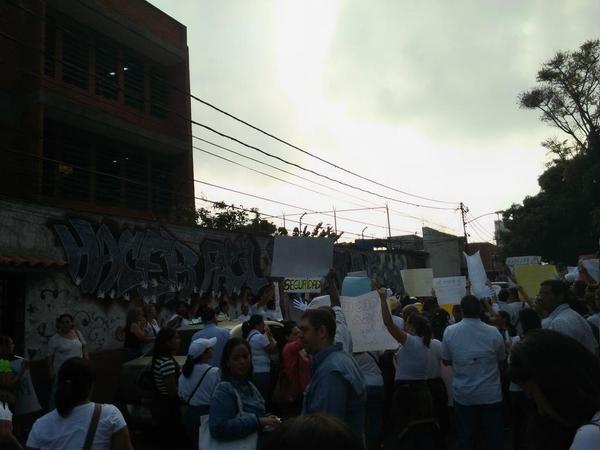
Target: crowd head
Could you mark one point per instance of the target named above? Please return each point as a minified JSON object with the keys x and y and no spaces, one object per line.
{"x":318,"y":329}
{"x":75,"y":381}
{"x":236,"y":361}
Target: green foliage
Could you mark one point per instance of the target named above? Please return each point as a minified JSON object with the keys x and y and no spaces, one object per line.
{"x":563,"y":220}
{"x":231,"y":218}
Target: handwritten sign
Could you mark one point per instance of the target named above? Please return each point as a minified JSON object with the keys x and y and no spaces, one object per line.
{"x":418,"y":282}
{"x":302,"y":285}
{"x":450,"y":290}
{"x":514,"y":261}
{"x":530,"y":276}
{"x":355,"y":286}
{"x":478,"y":276}
{"x":365,"y":321}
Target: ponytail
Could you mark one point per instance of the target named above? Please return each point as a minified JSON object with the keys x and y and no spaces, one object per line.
{"x":75,"y":380}
{"x":250,"y":324}
{"x":422,"y":328}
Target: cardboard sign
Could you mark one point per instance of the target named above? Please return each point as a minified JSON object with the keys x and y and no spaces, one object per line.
{"x":478,"y":276}
{"x":450,"y":290}
{"x":300,"y":285}
{"x":301,"y":257}
{"x":530,"y":277}
{"x":355,"y":286}
{"x":418,"y":282}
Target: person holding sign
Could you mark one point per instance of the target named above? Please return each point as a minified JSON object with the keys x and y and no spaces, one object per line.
{"x":413,"y":404}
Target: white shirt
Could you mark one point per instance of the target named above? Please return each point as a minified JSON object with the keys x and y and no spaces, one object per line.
{"x":513,"y":309}
{"x":368,"y":362}
{"x":342,"y":333}
{"x":398,"y":321}
{"x":595,"y":319}
{"x":564,"y":320}
{"x":514,"y":387}
{"x":261,"y":361}
{"x":587,"y":436}
{"x":54,"y":432}
{"x":243,"y":317}
{"x":474,"y":349}
{"x":64,"y":349}
{"x":205,"y":390}
{"x":411,"y":359}
{"x":434,"y":360}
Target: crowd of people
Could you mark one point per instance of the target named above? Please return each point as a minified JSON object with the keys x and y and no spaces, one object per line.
{"x":455,"y":379}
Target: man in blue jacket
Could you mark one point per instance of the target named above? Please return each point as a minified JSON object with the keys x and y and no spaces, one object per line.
{"x":337,"y":385}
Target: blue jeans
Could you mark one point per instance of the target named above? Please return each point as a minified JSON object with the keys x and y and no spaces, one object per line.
{"x":492,"y":419}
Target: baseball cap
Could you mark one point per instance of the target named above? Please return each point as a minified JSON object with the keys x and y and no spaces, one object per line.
{"x":199,"y":346}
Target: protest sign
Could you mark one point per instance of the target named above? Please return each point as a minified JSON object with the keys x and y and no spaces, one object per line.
{"x":417,"y":282}
{"x":299,"y":285}
{"x":301,"y":257}
{"x":450,"y":290}
{"x":513,"y":261}
{"x":27,"y":400}
{"x":478,"y":276}
{"x":593,"y":268}
{"x":365,"y":321}
{"x":355,"y":286}
{"x":530,"y":276}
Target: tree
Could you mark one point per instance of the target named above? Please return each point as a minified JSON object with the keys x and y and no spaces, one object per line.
{"x":231,"y":218}
{"x":318,"y":231}
{"x":563,"y":220}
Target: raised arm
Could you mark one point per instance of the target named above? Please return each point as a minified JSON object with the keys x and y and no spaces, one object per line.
{"x":396,"y":332}
{"x":334,"y":293}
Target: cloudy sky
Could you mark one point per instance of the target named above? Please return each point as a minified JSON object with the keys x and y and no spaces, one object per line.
{"x":419,"y":96}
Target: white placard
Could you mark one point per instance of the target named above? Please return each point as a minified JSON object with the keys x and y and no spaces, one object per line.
{"x":450,"y":290}
{"x":478,"y":276}
{"x":27,"y":400}
{"x":513,"y":261}
{"x":417,"y":282}
{"x":301,"y":257}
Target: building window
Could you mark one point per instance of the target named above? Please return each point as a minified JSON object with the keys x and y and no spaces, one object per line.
{"x":75,"y":54}
{"x":107,"y":65}
{"x":50,"y":44}
{"x":133,"y":74}
{"x":108,"y":169}
{"x":158,"y":92}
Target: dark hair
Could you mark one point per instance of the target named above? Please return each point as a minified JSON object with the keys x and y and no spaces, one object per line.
{"x":188,"y":366}
{"x":565,"y":371}
{"x":130,"y":318}
{"x":529,"y":319}
{"x":288,"y":327}
{"x":314,"y":431}
{"x":470,"y":306}
{"x":161,"y":344}
{"x":228,"y":350}
{"x":251,"y":323}
{"x":62,"y":316}
{"x":208,"y":314}
{"x":505,"y":316}
{"x":557,"y":287}
{"x":264,"y":289}
{"x":318,"y":318}
{"x":579,"y":287}
{"x":503,"y":295}
{"x":439,"y":323}
{"x":514,"y":291}
{"x":75,"y":380}
{"x":422,"y":327}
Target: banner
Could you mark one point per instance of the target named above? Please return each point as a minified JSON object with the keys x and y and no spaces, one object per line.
{"x":513,"y":261}
{"x":530,"y":277}
{"x":301,"y":257}
{"x":355,"y":286}
{"x":27,"y":400}
{"x":478,"y":276}
{"x":450,"y":290}
{"x":593,"y":268}
{"x":417,"y":282}
{"x":299,"y":285}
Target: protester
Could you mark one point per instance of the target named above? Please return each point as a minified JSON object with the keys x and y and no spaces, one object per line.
{"x":510,"y":306}
{"x":594,"y":318}
{"x":505,"y":326}
{"x":135,"y":337}
{"x":76,"y":419}
{"x":552,"y":300}
{"x":567,"y":394}
{"x":294,"y":376}
{"x":437,"y":388}
{"x":369,"y":365}
{"x":197,"y":383}
{"x":474,"y":349}
{"x":457,"y":314}
{"x":9,"y":381}
{"x":262,"y":344}
{"x":521,"y":406}
{"x":67,"y":343}
{"x":439,"y":322}
{"x":237,"y":409}
{"x":166,"y":410}
{"x":264,"y":297}
{"x":181,"y":318}
{"x":212,"y":330}
{"x":314,"y":432}
{"x":245,"y":313}
{"x":151,"y":328}
{"x":414,"y":424}
{"x":337,"y":385}
{"x":342,"y":332}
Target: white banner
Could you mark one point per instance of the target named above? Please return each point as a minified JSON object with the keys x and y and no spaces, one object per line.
{"x":417,"y":282}
{"x":478,"y":276}
{"x":450,"y":290}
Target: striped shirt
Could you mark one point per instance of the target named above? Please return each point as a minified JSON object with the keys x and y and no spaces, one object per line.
{"x":163,"y":367}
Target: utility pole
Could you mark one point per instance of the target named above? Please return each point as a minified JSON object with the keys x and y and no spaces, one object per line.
{"x":387,"y":211}
{"x":463,"y":211}
{"x":334,"y":221}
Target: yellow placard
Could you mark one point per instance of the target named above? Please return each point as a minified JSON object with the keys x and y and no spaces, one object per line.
{"x":530,"y":276}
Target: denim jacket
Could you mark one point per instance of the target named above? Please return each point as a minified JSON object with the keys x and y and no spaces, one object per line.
{"x":337,"y":388}
{"x":224,"y":420}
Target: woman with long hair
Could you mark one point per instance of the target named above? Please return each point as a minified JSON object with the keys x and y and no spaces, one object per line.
{"x":135,"y":337}
{"x":166,"y":408}
{"x":237,"y":409}
{"x":77,"y":419}
{"x":197,"y":383}
{"x":562,"y":377}
{"x":413,"y":404}
{"x":262,"y":345}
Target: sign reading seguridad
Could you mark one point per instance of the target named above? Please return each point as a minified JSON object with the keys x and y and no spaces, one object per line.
{"x":302,"y":285}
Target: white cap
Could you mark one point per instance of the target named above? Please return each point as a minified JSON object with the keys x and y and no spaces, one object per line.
{"x":199,"y":346}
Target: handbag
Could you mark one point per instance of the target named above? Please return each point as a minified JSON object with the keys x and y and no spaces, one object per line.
{"x":207,"y":442}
